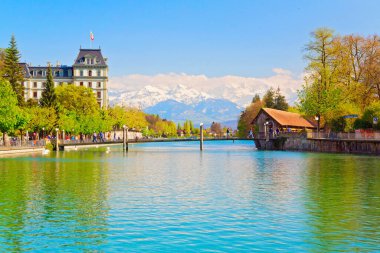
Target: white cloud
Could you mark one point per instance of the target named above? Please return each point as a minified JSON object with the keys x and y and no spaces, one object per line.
{"x":235,"y":88}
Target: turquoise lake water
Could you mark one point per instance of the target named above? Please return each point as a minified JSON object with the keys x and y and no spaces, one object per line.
{"x":170,"y":197}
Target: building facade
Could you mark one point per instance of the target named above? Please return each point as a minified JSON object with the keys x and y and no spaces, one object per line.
{"x":90,"y":70}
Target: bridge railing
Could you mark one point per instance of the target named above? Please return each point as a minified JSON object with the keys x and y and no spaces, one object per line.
{"x":15,"y":143}
{"x":357,"y":135}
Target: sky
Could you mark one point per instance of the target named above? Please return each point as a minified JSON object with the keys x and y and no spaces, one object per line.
{"x":214,"y":38}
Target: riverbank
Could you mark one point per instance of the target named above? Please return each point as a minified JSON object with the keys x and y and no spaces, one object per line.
{"x":19,"y":150}
{"x":345,"y":146}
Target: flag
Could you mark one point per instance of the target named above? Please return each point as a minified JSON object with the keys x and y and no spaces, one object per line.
{"x":91,"y":36}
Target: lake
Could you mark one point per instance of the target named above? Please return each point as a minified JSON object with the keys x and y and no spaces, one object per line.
{"x":170,"y":197}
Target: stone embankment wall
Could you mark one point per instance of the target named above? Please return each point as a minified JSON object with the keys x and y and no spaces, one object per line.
{"x":371,"y":147}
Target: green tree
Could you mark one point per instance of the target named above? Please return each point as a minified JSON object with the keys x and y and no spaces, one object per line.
{"x":41,"y":117}
{"x":187,"y":128}
{"x":320,"y":95}
{"x":13,"y":71}
{"x":78,"y":99}
{"x":269,"y":98}
{"x":256,"y":98}
{"x":280,"y":101}
{"x":9,"y":111}
{"x":49,"y":98}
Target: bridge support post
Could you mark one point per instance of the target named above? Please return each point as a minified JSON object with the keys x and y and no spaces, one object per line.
{"x":201,"y":137}
{"x":126,"y":140}
{"x":57,"y":140}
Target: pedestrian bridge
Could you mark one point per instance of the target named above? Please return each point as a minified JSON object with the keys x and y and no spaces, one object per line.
{"x":75,"y":144}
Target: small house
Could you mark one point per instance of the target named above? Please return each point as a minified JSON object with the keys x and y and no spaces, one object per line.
{"x":268,"y":120}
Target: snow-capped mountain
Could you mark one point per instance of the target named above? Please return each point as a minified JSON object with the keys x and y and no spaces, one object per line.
{"x":179,"y":104}
{"x":205,"y":111}
{"x":149,"y":96}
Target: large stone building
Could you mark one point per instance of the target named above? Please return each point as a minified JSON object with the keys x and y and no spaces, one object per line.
{"x":90,"y":69}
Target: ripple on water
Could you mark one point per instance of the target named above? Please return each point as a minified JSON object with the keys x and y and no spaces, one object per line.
{"x":171,"y":197}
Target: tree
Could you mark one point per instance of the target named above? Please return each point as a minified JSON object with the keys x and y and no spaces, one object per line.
{"x":246,"y":117}
{"x":13,"y":71}
{"x":8,"y":109}
{"x":320,"y":94}
{"x":216,"y":128}
{"x":187,"y":128}
{"x":268,"y":98}
{"x":41,"y":117}
{"x":280,"y":101}
{"x":78,"y":99}
{"x":49,"y":98}
{"x":256,"y":98}
{"x":2,"y":62}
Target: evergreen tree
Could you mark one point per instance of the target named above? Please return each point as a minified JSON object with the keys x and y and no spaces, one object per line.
{"x":179,"y":126}
{"x":256,"y":98}
{"x":280,"y":101}
{"x":2,"y":59}
{"x":191,"y":126}
{"x":13,"y":71}
{"x":268,"y":99}
{"x":49,"y":98}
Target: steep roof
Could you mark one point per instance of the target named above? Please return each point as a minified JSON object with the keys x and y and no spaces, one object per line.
{"x":283,"y":118}
{"x":90,"y":53}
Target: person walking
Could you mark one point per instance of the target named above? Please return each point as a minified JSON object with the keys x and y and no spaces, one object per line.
{"x":94,"y":137}
{"x":250,"y":135}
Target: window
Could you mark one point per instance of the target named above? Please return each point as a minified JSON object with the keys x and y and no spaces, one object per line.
{"x":56,"y":73}
{"x":99,"y":73}
{"x":81,"y":73}
{"x":92,"y":61}
{"x":81,"y":83}
{"x":90,"y":73}
{"x":34,"y":94}
{"x":34,"y":84}
{"x":40,"y":73}
{"x":90,"y":84}
{"x":99,"y":85}
{"x":99,"y":94}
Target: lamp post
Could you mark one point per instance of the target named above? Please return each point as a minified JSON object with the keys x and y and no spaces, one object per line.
{"x":125,"y":137}
{"x":317,"y":118}
{"x":201,"y":137}
{"x":43,"y":133}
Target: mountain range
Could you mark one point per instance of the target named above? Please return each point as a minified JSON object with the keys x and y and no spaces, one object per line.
{"x":180,"y":103}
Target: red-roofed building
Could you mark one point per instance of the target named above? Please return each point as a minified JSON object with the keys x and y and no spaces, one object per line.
{"x":270,"y":120}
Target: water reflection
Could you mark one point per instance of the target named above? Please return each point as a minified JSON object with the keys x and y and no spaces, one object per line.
{"x":171,"y":197}
{"x":343,"y":203}
{"x":60,"y":199}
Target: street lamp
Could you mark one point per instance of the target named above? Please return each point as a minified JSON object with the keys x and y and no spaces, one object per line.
{"x":317,"y":118}
{"x":43,"y":133}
